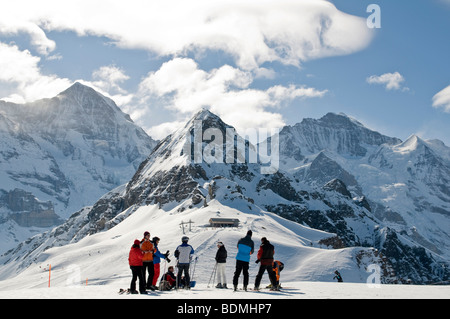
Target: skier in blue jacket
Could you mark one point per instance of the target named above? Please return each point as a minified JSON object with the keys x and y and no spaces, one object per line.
{"x":184,"y":253}
{"x":246,"y":247}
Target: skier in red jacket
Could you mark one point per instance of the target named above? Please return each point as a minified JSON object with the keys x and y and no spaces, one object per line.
{"x":136,"y":265}
{"x":265,"y":256}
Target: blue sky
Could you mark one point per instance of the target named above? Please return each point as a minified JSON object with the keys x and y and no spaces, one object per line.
{"x":255,"y":63}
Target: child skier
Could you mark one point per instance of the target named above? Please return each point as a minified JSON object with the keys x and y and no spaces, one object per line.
{"x":278,"y":266}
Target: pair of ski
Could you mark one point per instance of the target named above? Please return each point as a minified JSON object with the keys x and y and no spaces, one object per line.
{"x":256,"y":290}
{"x":128,"y":292}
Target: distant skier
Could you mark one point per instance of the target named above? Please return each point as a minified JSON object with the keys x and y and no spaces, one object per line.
{"x":338,"y":276}
{"x":246,"y":248}
{"x":157,"y":261}
{"x":136,"y":265}
{"x":148,"y":249}
{"x":265,"y":256}
{"x":184,"y":253}
{"x":221,"y":259}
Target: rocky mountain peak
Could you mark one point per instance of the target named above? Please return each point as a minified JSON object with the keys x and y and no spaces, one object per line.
{"x":339,"y":120}
{"x":78,"y":89}
{"x":412,"y":143}
{"x":71,"y":148}
{"x":335,"y":132}
{"x":206,"y":115}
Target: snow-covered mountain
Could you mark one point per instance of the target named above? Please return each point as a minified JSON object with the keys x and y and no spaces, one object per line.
{"x":67,"y":152}
{"x":318,"y":219}
{"x":405,"y":185}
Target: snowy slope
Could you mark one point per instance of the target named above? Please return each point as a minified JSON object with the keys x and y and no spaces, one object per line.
{"x":102,"y":258}
{"x":100,"y":261}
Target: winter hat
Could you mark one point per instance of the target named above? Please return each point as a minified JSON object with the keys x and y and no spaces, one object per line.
{"x":249,"y":233}
{"x":146,"y":233}
{"x":264,"y":240}
{"x":185,"y":239}
{"x":220,"y":243}
{"x":137,"y":242}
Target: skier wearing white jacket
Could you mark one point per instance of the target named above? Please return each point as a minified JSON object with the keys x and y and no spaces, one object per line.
{"x":184,"y":253}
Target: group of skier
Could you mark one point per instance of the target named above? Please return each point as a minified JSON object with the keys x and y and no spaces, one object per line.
{"x":145,"y":257}
{"x":265,"y":254}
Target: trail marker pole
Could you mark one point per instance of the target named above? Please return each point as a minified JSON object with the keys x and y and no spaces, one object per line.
{"x":49,"y":274}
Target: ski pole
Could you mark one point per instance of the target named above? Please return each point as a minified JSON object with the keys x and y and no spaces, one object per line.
{"x":215,"y":273}
{"x":212,"y":274}
{"x":164,"y":273}
{"x":176,"y":286}
{"x":195,"y":264}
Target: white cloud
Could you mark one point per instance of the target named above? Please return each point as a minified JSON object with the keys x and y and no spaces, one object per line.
{"x":109,"y":78}
{"x":253,"y":32}
{"x":20,"y":70}
{"x":392,"y":81}
{"x":442,"y":99}
{"x":179,"y":85}
{"x":23,"y":81}
{"x":291,"y":92}
{"x":164,"y":129}
{"x":10,"y":26}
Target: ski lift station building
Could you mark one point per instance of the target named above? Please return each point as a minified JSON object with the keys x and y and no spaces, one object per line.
{"x":224,"y":222}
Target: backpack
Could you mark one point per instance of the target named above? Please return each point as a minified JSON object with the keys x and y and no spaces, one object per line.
{"x":164,"y":285}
